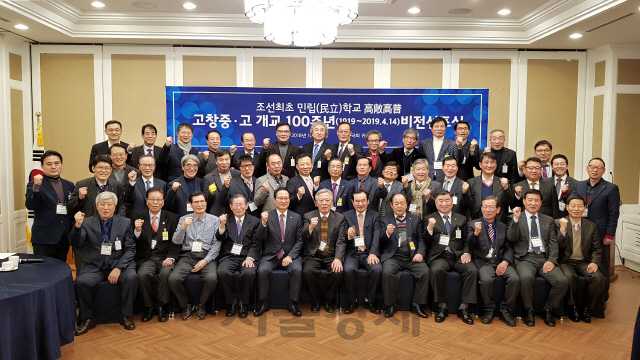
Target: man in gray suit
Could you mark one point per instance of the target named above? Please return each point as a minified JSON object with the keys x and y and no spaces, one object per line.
{"x":393,"y":186}
{"x":266,"y":185}
{"x":208,"y":157}
{"x":536,"y":253}
{"x":438,"y":147}
{"x":487,"y":184}
{"x":122,"y":171}
{"x":421,"y":190}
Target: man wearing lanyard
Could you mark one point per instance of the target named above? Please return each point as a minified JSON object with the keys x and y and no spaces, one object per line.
{"x":563,"y":182}
{"x":200,"y":248}
{"x":183,"y":186}
{"x":341,"y":188}
{"x":142,"y":184}
{"x":436,"y":148}
{"x":245,"y":184}
{"x":240,"y":251}
{"x":406,"y":155}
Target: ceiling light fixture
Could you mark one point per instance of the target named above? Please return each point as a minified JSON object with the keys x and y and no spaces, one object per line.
{"x":414,"y":10}
{"x":504,"y":12}
{"x":301,"y":22}
{"x":189,"y":6}
{"x":575,"y":36}
{"x":97,"y":4}
{"x":21,"y":27}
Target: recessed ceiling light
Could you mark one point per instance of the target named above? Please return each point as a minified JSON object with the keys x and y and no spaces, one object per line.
{"x":21,"y":27}
{"x":414,"y":10}
{"x":143,"y":5}
{"x":504,"y":12}
{"x":97,"y":4}
{"x":189,"y":6}
{"x":575,"y":36}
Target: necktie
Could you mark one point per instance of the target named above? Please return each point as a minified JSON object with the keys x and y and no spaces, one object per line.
{"x":341,"y":149}
{"x":533,"y":185}
{"x":361,"y":224}
{"x":106,"y":225}
{"x":282,"y":226}
{"x":491,"y":233}
{"x":446,"y":185}
{"x":309,"y":183}
{"x":447,"y":229}
{"x":148,"y":151}
{"x":239,"y":231}
{"x":249,"y":184}
{"x":250,"y":154}
{"x":148,"y":184}
{"x":335,"y":191}
{"x":406,"y":153}
{"x":544,"y":171}
{"x":559,"y":187}
{"x":154,"y":223}
{"x":361,"y":184}
{"x":374,"y":160}
{"x":102,"y":188}
{"x":534,"y":233}
{"x":315,"y":151}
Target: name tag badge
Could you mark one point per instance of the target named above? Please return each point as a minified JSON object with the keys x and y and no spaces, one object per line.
{"x":464,"y":160}
{"x":358,"y":241}
{"x":402,"y":237}
{"x":153,"y":244}
{"x":490,"y":254}
{"x":536,"y":241}
{"x":293,"y":162}
{"x":455,"y":200}
{"x":189,"y":208}
{"x":322,"y":245}
{"x":236,"y":249}
{"x":505,"y":168}
{"x":411,"y":245}
{"x":562,"y":206}
{"x":444,"y":240}
{"x":105,"y":249}
{"x":437,"y":165}
{"x":586,"y":212}
{"x":253,"y":206}
{"x":61,"y":209}
{"x":458,"y":234}
{"x":333,"y":208}
{"x":413,"y":207}
{"x":165,"y":235}
{"x":339,"y":203}
{"x":118,"y":244}
{"x":410,"y":176}
{"x":346,"y":159}
{"x":319,"y":164}
{"x":196,"y":246}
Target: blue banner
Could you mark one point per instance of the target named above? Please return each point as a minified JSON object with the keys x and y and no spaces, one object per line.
{"x":235,"y":110}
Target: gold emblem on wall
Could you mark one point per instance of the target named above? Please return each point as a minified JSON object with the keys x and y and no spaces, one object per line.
{"x":39,"y":133}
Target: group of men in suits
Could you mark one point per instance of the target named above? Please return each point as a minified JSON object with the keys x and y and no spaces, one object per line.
{"x":335,"y":208}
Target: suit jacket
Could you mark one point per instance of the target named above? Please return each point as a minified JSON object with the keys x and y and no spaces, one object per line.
{"x":237,"y":186}
{"x":549,"y":197}
{"x":102,"y":148}
{"x":263,"y":198}
{"x":372,"y":227}
{"x":348,"y":161}
{"x":88,"y":204}
{"x":462,"y":201}
{"x":342,"y":201}
{"x":252,"y":235}
{"x":396,"y":188}
{"x":397,"y":155}
{"x":376,"y":171}
{"x":480,"y":245}
{"x":307,"y":202}
{"x":457,"y":244}
{"x":125,"y":178}
{"x":170,"y":159}
{"x":510,"y":159}
{"x":165,"y":248}
{"x":475,"y":190}
{"x":48,"y":227}
{"x":206,"y":165}
{"x":449,"y":147}
{"x":138,"y":151}
{"x":375,"y":192}
{"x":604,"y":205}
{"x":89,"y":238}
{"x":519,"y":235}
{"x":336,"y":234}
{"x":467,"y":160}
{"x":389,"y":245}
{"x":590,"y":242}
{"x":428,"y":205}
{"x":176,"y":200}
{"x":563,"y":199}
{"x":292,"y":153}
{"x":292,"y":245}
{"x":138,"y":204}
{"x":323,"y":171}
{"x":218,"y":200}
{"x":258,"y":168}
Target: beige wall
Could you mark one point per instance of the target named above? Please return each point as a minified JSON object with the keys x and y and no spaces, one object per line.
{"x":598,"y":115}
{"x":600,"y":74}
{"x":552,"y":92}
{"x":627,"y":168}
{"x":629,"y":72}
{"x":17,"y":149}
{"x":69,"y":121}
{"x":15,"y":67}
{"x":416,"y":73}
{"x":138,"y":83}
{"x":209,"y":70}
{"x":347,"y":73}
{"x":279,"y":72}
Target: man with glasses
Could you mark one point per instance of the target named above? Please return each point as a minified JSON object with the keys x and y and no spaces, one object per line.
{"x":468,"y":152}
{"x":149,"y":136}
{"x":348,"y":151}
{"x":113,"y":130}
{"x":288,"y":152}
{"x":248,"y":141}
{"x":171,"y":155}
{"x":543,"y":150}
{"x":602,"y":200}
{"x":406,"y":155}
{"x":375,"y":152}
{"x":245,"y":185}
{"x":142,"y":184}
{"x":180,"y":190}
{"x":533,"y":180}
{"x":506,"y":159}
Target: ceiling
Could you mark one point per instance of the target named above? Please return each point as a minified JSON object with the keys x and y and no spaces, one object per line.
{"x":382,"y":24}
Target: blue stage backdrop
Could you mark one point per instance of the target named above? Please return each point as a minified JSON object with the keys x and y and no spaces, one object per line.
{"x":235,"y":110}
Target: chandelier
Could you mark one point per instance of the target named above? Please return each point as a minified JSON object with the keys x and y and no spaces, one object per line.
{"x":301,"y":22}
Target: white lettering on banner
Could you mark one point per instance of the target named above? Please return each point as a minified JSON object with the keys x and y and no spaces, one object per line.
{"x":199,"y":120}
{"x":246,"y":120}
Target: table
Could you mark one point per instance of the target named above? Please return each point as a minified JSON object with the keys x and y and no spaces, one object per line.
{"x":37,"y":310}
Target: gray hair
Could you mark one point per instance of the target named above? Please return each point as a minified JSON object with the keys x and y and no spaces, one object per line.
{"x":320,"y":123}
{"x":372,"y":132}
{"x":238,"y":196}
{"x":497,"y":130}
{"x":421,"y":161}
{"x":106,"y":195}
{"x":411,"y":131}
{"x":189,"y":157}
{"x":324,"y":191}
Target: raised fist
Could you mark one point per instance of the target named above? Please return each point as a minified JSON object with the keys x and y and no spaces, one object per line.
{"x":233,"y":149}
{"x":327,"y":154}
{"x":459,"y":141}
{"x":301,"y":191}
{"x":352,"y":232}
{"x":504,"y":182}
{"x":130,"y":147}
{"x":37,"y":180}
{"x":132,"y":176}
{"x":478,"y":228}
{"x":223,"y":220}
{"x":313,"y":223}
{"x":486,"y":150}
{"x":265,"y":217}
{"x":169,"y":141}
{"x":138,"y":224}
{"x":465,"y":187}
{"x":383,"y":144}
{"x":350,"y":148}
{"x":227,"y":180}
{"x":316,"y":181}
{"x":206,"y":154}
{"x":82,"y":192}
{"x":431,"y":224}
{"x":563,"y":224}
{"x":187,"y":222}
{"x":564,"y":188}
{"x":390,"y":229}
{"x":79,"y":216}
{"x":427,"y":193}
{"x":380,"y":183}
{"x":266,"y":142}
{"x":516,"y":213}
{"x":265,"y":186}
{"x":175,"y":186}
{"x":521,"y":165}
{"x":518,"y":190}
{"x":405,"y":181}
{"x":474,"y":143}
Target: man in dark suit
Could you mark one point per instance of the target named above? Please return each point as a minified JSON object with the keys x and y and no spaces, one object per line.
{"x":468,"y":152}
{"x":563,"y":182}
{"x":580,"y":254}
{"x":113,"y":129}
{"x":171,"y":155}
{"x":341,"y":188}
{"x":288,"y":152}
{"x":180,"y":189}
{"x":363,"y":250}
{"x":248,"y":141}
{"x":325,"y":240}
{"x":506,"y":158}
{"x":142,"y":184}
{"x":493,"y":256}
{"x":375,"y":152}
{"x":302,"y":187}
{"x":393,"y":186}
{"x":543,"y":150}
{"x":436,"y":148}
{"x":156,"y":254}
{"x":533,"y":180}
{"x":216,"y":183}
{"x":458,"y":188}
{"x":421,"y":190}
{"x":281,"y":250}
{"x":403,"y":249}
{"x":149,"y":136}
{"x":348,"y":151}
{"x":208,"y":158}
{"x":109,"y":249}
{"x":447,"y":250}
{"x":245,"y":185}
{"x":406,"y":155}
{"x":533,"y":237}
{"x":487,"y":184}
{"x":240,"y":251}
{"x":320,"y":150}
{"x":121,"y":172}
{"x":373,"y":186}
{"x":267,"y":184}
{"x":602,"y":200}
{"x":47,"y":197}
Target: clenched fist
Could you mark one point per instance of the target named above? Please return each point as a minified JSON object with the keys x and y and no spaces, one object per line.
{"x":383,"y":144}
{"x":390,"y":229}
{"x":474,"y":143}
{"x":563,"y":224}
{"x":206,"y":154}
{"x":313,"y":223}
{"x":175,"y":186}
{"x":431,"y":224}
{"x":427,"y":193}
{"x":138,"y":224}
{"x":478,"y":228}
{"x":352,"y":232}
{"x":521,"y":165}
{"x":405,"y":181}
{"x":564,"y":188}
{"x":223,"y":220}
{"x":316,"y":181}
{"x":82,"y":192}
{"x":132,"y":176}
{"x":301,"y":191}
{"x":79,"y":216}
{"x":350,"y":149}
{"x":265,"y":186}
{"x":186,"y":223}
{"x":465,"y":187}
{"x":504,"y":182}
{"x":266,"y":142}
{"x":265,"y":216}
{"x":486,"y":150}
{"x":130,"y":147}
{"x":380,"y":183}
{"x":233,"y":149}
{"x":37,"y":180}
{"x":516,"y":213}
{"x":459,"y":141}
{"x":169,"y":141}
{"x":327,"y":154}
{"x":227,"y":180}
{"x":518,"y":190}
